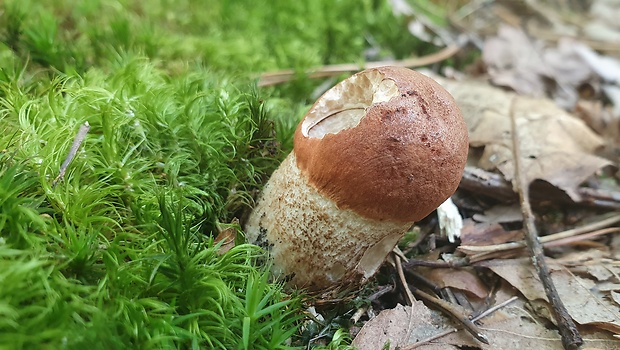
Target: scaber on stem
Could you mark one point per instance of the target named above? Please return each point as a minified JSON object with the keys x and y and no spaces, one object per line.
{"x":377,"y":152}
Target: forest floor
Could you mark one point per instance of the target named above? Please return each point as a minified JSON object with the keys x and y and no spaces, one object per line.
{"x":136,"y":136}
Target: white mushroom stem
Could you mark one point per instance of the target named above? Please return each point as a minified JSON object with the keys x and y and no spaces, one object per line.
{"x":333,"y":247}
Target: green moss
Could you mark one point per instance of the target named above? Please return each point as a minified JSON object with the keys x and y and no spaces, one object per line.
{"x":121,"y":252}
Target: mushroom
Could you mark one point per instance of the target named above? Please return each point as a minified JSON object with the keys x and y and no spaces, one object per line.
{"x":377,"y":152}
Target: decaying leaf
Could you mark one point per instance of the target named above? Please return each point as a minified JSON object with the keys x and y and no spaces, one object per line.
{"x":227,"y":234}
{"x":465,"y":280}
{"x":397,"y":326}
{"x":507,"y":328}
{"x":579,"y":295}
{"x":487,"y":233}
{"x":513,"y":60}
{"x":527,"y":65}
{"x":500,"y":214}
{"x":556,"y":147}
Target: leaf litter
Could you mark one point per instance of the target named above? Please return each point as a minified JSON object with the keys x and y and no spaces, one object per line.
{"x":552,"y":76}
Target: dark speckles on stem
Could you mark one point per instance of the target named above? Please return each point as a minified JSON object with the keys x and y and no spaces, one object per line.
{"x":261,"y":240}
{"x":289,"y":277}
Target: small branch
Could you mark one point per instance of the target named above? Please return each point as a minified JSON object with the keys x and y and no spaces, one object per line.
{"x":546,"y":240}
{"x":77,"y":142}
{"x":571,"y":340}
{"x":401,"y":275}
{"x":487,"y":255}
{"x":447,"y":307}
{"x":461,"y":262}
{"x":283,"y":76}
{"x":454,"y":312}
{"x":583,"y":237}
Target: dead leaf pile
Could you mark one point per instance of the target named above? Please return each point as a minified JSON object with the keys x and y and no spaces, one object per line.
{"x":556,"y":146}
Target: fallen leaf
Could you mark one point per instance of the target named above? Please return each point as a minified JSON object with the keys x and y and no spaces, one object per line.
{"x":227,"y":235}
{"x":583,"y":303}
{"x":513,"y":60}
{"x":462,"y":279}
{"x":556,"y":147}
{"x":397,"y":326}
{"x":568,"y":70}
{"x":484,"y":233}
{"x":508,"y":328}
{"x":500,"y":214}
{"x":527,"y":65}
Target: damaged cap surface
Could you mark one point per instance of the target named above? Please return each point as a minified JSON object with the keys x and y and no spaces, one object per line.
{"x":387,"y":143}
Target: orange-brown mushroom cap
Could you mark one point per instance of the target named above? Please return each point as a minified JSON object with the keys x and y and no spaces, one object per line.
{"x":388,"y":143}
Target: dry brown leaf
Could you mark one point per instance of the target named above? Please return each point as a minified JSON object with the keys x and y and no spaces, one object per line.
{"x":500,"y":214}
{"x":527,"y":65}
{"x":461,"y":279}
{"x":579,"y":295}
{"x":615,"y":296}
{"x":227,"y":235}
{"x":592,"y":262}
{"x":397,"y":326}
{"x":513,"y":60}
{"x":484,"y":233}
{"x":556,"y":147}
{"x":508,"y":328}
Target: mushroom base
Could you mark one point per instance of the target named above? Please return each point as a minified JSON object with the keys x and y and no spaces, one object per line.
{"x":314,"y":244}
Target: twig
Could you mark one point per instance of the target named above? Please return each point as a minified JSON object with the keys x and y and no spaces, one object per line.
{"x":460,"y":262}
{"x":378,"y":294}
{"x":610,"y":220}
{"x":283,"y":76}
{"x":77,"y":142}
{"x":453,"y":330}
{"x":401,"y":276}
{"x":583,"y":237}
{"x":487,"y":255}
{"x":454,"y":312}
{"x":571,"y":339}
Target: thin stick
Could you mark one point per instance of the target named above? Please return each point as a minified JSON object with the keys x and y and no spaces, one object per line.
{"x":283,"y":76}
{"x":403,"y":280}
{"x":460,"y":262}
{"x":453,"y":330}
{"x":454,"y":312}
{"x":546,"y":239}
{"x":486,"y":255}
{"x":583,"y":237}
{"x":571,"y":340}
{"x":77,"y":142}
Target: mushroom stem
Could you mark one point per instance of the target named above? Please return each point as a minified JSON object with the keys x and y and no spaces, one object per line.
{"x":331,"y":247}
